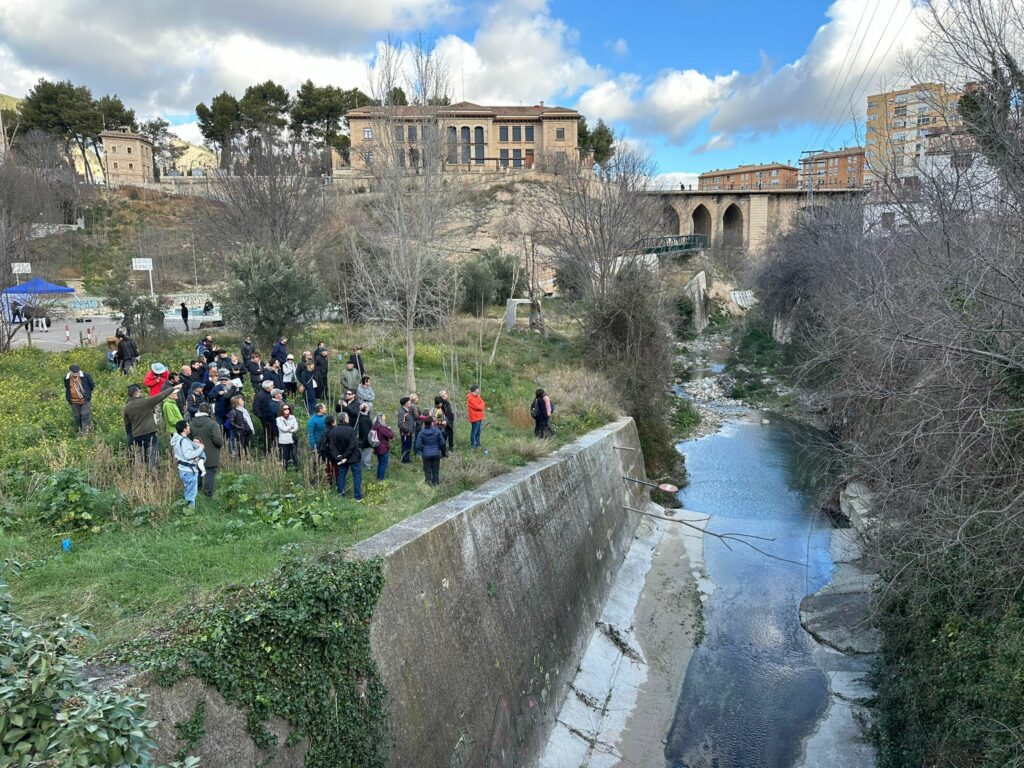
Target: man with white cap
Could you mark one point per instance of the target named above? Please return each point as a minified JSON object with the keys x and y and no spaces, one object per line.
{"x":78,"y":387}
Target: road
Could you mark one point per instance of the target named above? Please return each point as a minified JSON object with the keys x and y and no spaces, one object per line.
{"x":55,"y":340}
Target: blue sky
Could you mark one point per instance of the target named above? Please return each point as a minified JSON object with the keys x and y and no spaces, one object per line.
{"x":699,"y":84}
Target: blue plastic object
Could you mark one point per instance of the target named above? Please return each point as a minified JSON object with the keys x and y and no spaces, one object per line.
{"x":65,"y":544}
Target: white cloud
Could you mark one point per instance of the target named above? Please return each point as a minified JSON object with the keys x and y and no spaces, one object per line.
{"x":520,"y":54}
{"x":844,"y":62}
{"x":718,"y":141}
{"x":673,"y":180}
{"x":188,"y":131}
{"x":612,"y":100}
{"x":620,"y":47}
{"x":166,"y":57}
{"x":15,"y":79}
{"x":847,"y":57}
{"x":673,"y":104}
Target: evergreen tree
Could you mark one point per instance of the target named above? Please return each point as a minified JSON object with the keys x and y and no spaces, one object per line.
{"x":220,"y":124}
{"x":264,"y":105}
{"x":63,"y":110}
{"x":167,"y":147}
{"x":317,"y":111}
{"x":602,"y":143}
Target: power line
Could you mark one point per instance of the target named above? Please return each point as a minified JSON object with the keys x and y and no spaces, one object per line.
{"x":878,"y":66}
{"x":819,"y":126}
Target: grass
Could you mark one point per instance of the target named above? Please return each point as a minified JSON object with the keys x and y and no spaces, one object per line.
{"x":150,"y":555}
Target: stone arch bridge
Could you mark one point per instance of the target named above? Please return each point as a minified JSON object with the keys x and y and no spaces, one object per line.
{"x":740,"y":218}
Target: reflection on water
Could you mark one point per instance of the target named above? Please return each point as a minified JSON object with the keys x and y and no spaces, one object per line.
{"x":752,"y":690}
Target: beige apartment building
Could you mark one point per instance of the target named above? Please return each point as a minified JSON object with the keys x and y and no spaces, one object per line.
{"x":842,"y":169}
{"x":897,"y":125}
{"x":127,"y":157}
{"x":749,"y":177}
{"x":477,"y":137}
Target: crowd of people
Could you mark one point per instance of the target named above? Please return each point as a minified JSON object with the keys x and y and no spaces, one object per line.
{"x":202,"y":405}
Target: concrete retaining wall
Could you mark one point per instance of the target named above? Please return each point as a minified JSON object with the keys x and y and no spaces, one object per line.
{"x":489,"y":600}
{"x":490,"y":597}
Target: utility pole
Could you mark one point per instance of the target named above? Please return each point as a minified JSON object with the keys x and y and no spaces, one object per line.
{"x":810,"y":181}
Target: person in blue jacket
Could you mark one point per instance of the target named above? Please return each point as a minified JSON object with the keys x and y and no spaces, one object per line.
{"x":280,"y":350}
{"x":430,"y":445}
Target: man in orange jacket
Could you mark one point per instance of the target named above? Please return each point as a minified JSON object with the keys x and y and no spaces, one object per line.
{"x":476,"y":406}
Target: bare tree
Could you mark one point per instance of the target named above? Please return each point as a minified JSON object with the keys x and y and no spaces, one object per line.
{"x":597,"y":218}
{"x":597,"y":221}
{"x":915,"y":330}
{"x":275,"y":198}
{"x":402,"y":243}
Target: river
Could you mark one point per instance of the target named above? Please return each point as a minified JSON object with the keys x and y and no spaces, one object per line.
{"x":752,"y":690}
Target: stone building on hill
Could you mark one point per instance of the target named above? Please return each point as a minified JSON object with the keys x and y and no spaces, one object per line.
{"x":127,"y":158}
{"x":477,"y":137}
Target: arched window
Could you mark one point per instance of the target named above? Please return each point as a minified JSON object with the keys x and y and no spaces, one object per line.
{"x":466,"y":144}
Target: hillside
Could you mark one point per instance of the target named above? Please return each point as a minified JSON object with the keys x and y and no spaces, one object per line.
{"x":8,"y":102}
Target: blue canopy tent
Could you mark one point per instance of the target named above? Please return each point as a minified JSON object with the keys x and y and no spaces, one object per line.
{"x":27,"y":295}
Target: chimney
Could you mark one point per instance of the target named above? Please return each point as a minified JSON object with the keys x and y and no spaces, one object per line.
{"x":542,"y":103}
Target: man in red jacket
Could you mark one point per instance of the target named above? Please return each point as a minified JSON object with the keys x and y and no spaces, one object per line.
{"x":155,"y":378}
{"x":476,"y":406}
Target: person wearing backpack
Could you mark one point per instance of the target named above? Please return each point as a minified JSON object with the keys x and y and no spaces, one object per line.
{"x":383,"y":434}
{"x":540,"y":410}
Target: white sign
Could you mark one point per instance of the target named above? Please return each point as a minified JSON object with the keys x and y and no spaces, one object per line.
{"x":142,"y":265}
{"x":21,"y":267}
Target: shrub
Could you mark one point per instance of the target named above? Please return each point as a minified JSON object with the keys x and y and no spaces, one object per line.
{"x":67,"y":501}
{"x":51,"y":715}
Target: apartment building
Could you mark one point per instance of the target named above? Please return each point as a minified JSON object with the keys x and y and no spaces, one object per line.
{"x":749,"y":177}
{"x":477,"y":137}
{"x":842,"y":169}
{"x":127,"y":157}
{"x":897,"y":125}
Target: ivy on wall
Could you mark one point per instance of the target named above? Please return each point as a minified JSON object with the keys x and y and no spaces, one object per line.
{"x":295,"y":645}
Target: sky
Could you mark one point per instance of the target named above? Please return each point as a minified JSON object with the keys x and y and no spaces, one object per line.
{"x":698,"y":84}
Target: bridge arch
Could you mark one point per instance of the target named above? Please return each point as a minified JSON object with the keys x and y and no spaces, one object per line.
{"x":732,"y":227}
{"x":670,"y":221}
{"x":700,"y":221}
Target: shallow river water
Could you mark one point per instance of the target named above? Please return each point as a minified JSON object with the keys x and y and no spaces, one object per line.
{"x":752,"y":690}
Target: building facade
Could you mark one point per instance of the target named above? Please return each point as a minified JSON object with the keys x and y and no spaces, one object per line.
{"x":476,"y":137}
{"x":897,"y":125}
{"x":127,"y":157}
{"x":842,"y":169}
{"x":749,"y":177}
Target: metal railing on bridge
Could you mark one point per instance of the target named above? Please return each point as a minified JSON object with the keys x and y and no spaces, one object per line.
{"x":672,"y":245}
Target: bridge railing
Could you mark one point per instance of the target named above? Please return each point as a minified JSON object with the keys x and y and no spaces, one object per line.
{"x":672,"y":244}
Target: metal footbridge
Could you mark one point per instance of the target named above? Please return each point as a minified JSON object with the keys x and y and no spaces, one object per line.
{"x":672,"y":245}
